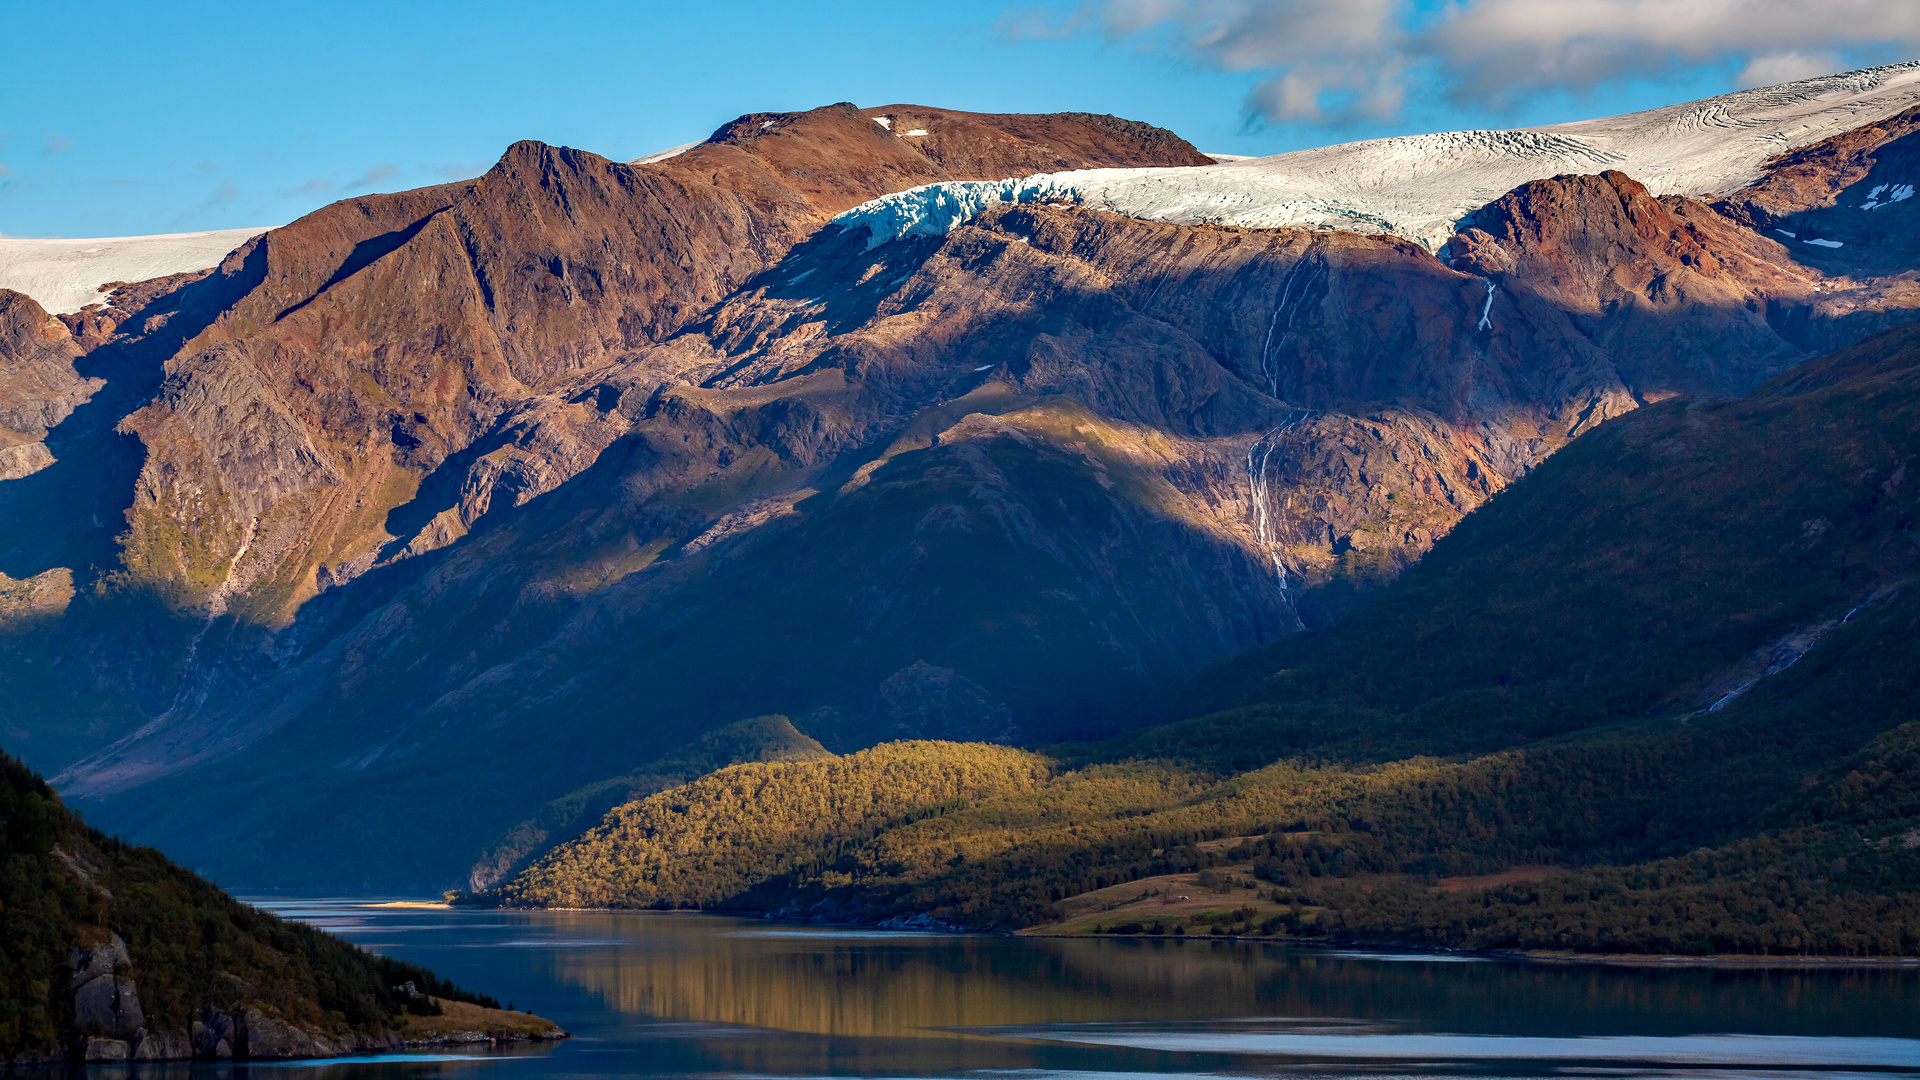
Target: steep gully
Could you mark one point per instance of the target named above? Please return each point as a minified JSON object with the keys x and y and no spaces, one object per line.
{"x":515,"y":484}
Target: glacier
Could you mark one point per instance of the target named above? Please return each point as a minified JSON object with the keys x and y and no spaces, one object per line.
{"x":65,"y":275}
{"x":1420,"y":186}
{"x":938,"y":209}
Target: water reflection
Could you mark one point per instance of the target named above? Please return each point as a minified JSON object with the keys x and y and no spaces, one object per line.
{"x":867,"y":984}
{"x":1361,"y":1041}
{"x":661,"y":994}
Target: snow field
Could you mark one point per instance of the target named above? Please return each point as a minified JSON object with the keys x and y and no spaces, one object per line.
{"x":65,"y":275}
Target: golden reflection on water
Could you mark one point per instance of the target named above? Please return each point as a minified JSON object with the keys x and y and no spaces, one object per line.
{"x":706,"y":970}
{"x":686,"y":997}
{"x":867,"y":985}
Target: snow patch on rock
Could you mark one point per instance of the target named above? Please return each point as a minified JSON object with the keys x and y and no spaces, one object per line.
{"x":1894,"y":193}
{"x":1420,"y":186}
{"x":669,"y":152}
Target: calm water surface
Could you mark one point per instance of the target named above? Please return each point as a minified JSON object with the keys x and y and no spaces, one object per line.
{"x":677,"y":995}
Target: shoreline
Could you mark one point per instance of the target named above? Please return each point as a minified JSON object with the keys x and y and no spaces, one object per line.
{"x":253,"y":1036}
{"x":1639,"y":960}
{"x":400,"y":1048}
{"x":1651,"y":960}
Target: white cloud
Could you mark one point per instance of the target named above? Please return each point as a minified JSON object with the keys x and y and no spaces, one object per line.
{"x":1490,"y":50}
{"x":1333,"y":60}
{"x":1789,"y":66}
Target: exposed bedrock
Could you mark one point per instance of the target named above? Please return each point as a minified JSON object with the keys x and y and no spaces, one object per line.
{"x":39,"y":386}
{"x":105,"y":1000}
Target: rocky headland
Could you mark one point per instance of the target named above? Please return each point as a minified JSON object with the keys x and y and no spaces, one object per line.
{"x":115,"y":955}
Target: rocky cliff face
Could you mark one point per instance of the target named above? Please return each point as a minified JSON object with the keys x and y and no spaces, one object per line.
{"x":515,"y":485}
{"x":39,"y":386}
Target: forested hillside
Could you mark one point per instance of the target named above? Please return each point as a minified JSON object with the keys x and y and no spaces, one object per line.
{"x":168,"y":966}
{"x":1670,"y":674}
{"x":763,"y":738}
{"x":709,"y":842}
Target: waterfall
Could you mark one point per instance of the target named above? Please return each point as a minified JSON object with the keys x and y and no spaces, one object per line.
{"x":1289,"y":305}
{"x":1264,"y":528}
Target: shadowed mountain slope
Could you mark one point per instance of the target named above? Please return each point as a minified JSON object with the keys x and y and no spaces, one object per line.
{"x":1665,"y":684}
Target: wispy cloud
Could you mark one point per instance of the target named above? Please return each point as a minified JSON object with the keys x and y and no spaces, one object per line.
{"x":223,"y":196}
{"x":1336,"y":61}
{"x":456,"y":170}
{"x":382,"y":171}
{"x":56,"y":144}
{"x":318,"y":186}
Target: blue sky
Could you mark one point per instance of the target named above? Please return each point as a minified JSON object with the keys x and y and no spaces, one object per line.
{"x":124,"y":118}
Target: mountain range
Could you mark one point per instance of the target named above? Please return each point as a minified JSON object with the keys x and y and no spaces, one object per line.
{"x":417,"y":535}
